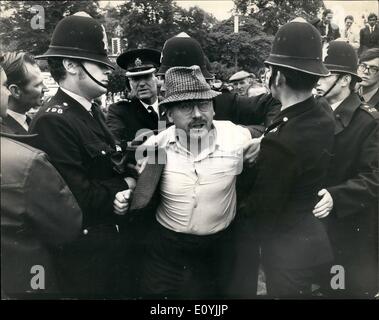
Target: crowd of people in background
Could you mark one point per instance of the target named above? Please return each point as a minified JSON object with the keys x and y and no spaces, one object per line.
{"x":188,"y":187}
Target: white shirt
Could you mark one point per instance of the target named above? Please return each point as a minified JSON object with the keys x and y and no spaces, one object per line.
{"x":154,"y":105}
{"x":83,"y":101}
{"x":198,"y":194}
{"x":334,"y":106}
{"x":20,"y":118}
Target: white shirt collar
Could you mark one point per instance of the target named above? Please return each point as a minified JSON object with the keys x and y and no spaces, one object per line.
{"x":19,"y":117}
{"x":334,"y":106}
{"x":83,"y":101}
{"x":154,"y":105}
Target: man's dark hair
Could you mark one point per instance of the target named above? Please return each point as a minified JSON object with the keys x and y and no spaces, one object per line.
{"x":350,"y":17}
{"x":15,"y":69}
{"x":326,"y":12}
{"x":372,"y":15}
{"x":56,"y":68}
{"x":297,"y":80}
{"x":369,"y":54}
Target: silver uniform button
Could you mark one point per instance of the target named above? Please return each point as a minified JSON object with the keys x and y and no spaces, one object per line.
{"x":103,"y":152}
{"x":65,"y":104}
{"x":85,"y":231}
{"x":285,"y":119}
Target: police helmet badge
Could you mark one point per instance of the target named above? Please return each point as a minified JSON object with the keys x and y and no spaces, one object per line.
{"x":325,"y":49}
{"x":105,"y":39}
{"x":138,"y":62}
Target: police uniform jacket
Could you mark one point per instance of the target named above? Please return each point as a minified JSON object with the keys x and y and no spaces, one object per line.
{"x":79,"y":149}
{"x":291,"y":169}
{"x":38,"y":212}
{"x":353,"y":182}
{"x":252,"y":112}
{"x":126,"y":118}
{"x":374,"y":101}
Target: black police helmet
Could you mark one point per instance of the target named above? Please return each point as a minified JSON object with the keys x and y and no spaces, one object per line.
{"x":81,"y":37}
{"x":297,"y":45}
{"x":183,"y":51}
{"x":339,"y":56}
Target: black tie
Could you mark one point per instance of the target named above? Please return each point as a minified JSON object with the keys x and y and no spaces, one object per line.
{"x":28,"y":120}
{"x":153,"y":113}
{"x":99,"y":117}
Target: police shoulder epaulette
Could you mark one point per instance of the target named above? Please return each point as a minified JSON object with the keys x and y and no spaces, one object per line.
{"x":371,"y":110}
{"x":58,"y":109}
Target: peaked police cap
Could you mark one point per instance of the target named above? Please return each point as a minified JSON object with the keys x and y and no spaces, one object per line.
{"x":139,"y":61}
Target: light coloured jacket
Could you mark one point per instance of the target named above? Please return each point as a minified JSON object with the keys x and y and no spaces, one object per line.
{"x":351,"y":36}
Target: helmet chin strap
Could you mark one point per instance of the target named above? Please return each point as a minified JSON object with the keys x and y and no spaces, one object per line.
{"x":332,"y":86}
{"x":92,"y":78}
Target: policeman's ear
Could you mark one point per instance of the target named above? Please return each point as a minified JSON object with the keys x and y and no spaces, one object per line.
{"x":15,"y":90}
{"x":71,"y":66}
{"x":279,"y":78}
{"x":346,"y":80}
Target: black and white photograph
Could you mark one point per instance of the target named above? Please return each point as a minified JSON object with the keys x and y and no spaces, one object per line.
{"x":203,"y":152}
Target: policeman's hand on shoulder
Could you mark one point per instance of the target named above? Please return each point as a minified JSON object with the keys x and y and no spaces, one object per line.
{"x":251,"y":150}
{"x":324,"y":206}
{"x":121,"y":202}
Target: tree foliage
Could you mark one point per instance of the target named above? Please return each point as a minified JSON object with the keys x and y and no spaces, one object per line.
{"x":147,"y":23}
{"x":274,"y":13}
{"x":197,"y":23}
{"x":246,"y":49}
{"x":15,"y":22}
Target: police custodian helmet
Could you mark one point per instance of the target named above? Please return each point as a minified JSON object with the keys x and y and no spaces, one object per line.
{"x":183,"y":51}
{"x":79,"y":36}
{"x":339,"y":56}
{"x":297,"y":45}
